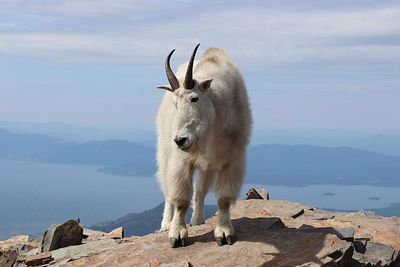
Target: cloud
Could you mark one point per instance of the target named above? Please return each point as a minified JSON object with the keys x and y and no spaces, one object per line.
{"x":262,"y":37}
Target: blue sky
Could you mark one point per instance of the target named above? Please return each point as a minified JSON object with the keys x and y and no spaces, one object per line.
{"x":307,"y":64}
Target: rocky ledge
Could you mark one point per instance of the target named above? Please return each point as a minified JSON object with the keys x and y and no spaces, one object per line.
{"x":268,"y":233}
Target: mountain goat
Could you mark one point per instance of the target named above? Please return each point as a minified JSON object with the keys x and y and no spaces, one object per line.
{"x":204,"y":124}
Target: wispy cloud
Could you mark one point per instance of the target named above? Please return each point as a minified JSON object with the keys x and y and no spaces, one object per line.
{"x":271,"y":36}
{"x":306,"y":63}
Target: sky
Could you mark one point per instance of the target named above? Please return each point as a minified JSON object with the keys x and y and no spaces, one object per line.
{"x":306,"y":64}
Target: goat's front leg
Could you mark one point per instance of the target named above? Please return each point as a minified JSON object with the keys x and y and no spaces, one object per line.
{"x":180,"y":192}
{"x":227,"y":190}
{"x":178,"y":232}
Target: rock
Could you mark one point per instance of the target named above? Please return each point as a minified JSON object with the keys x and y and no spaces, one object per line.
{"x":30,"y":252}
{"x":264,"y":193}
{"x":267,"y":233}
{"x":360,"y":245}
{"x":376,"y":254}
{"x":116,"y":233}
{"x":343,"y":233}
{"x":12,"y":243}
{"x":253,"y":194}
{"x":36,"y":259}
{"x":342,"y":256}
{"x":254,"y":208}
{"x":75,"y":252}
{"x":27,"y":246}
{"x":91,"y":235}
{"x":7,"y":258}
{"x":380,"y":230}
{"x":258,"y":243}
{"x":61,"y":235}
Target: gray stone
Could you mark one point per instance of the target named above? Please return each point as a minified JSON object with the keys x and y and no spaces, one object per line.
{"x":57,"y":236}
{"x":341,"y":257}
{"x":36,"y":259}
{"x":264,"y":193}
{"x":324,"y":217}
{"x":360,"y":245}
{"x":76,"y":252}
{"x":89,"y":232}
{"x":377,"y":254}
{"x":253,"y":194}
{"x":7,"y":258}
{"x":31,"y":252}
{"x":26,"y":246}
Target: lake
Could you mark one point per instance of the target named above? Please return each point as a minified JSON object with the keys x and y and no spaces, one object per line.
{"x":35,"y":195}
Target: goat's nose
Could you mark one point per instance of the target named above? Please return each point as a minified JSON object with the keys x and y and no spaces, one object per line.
{"x":180,"y":141}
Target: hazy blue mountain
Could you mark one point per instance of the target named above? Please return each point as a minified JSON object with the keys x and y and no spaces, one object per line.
{"x":387,"y":144}
{"x":27,"y":146}
{"x":291,"y":165}
{"x":79,"y":134}
{"x":145,"y":222}
{"x":382,"y":143}
{"x":48,"y":149}
{"x":305,"y":165}
{"x":392,"y":210}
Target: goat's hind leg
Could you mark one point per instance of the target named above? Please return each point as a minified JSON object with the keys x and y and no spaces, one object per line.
{"x":167,"y":215}
{"x":204,"y":181}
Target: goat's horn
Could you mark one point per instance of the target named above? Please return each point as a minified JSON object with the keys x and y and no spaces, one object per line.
{"x":188,"y":83}
{"x":173,"y":81}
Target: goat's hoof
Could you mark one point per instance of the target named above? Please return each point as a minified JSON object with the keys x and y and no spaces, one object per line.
{"x":173,"y":242}
{"x":184,"y":242}
{"x":224,"y":240}
{"x":220,"y":241}
{"x":229,"y":240}
{"x":178,"y":242}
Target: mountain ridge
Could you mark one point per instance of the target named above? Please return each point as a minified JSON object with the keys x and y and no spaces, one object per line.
{"x":277,"y":164}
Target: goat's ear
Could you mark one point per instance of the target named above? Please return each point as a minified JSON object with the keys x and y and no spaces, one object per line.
{"x":204,"y":85}
{"x":165,"y":87}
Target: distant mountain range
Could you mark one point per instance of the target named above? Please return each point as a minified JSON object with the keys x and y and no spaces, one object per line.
{"x":36,"y":147}
{"x":291,"y":165}
{"x":145,"y":222}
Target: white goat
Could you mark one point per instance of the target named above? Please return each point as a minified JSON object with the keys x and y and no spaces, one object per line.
{"x":203,"y":123}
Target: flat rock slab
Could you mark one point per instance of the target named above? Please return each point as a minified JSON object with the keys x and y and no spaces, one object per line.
{"x":380,"y":230}
{"x":57,"y":236}
{"x":366,"y":225}
{"x":76,"y":252}
{"x":346,"y":233}
{"x":254,"y":208}
{"x":259,"y":242}
{"x":12,"y":243}
{"x":91,"y":235}
{"x":376,"y":254}
{"x":36,"y":259}
{"x":7,"y":258}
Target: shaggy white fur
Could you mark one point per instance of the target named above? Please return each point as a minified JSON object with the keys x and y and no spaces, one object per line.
{"x":206,"y":128}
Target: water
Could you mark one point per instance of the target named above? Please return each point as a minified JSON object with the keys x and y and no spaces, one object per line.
{"x":35,"y":195}
{"x":353,"y":197}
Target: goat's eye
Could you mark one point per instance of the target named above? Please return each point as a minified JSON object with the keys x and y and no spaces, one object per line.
{"x":194,"y":99}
